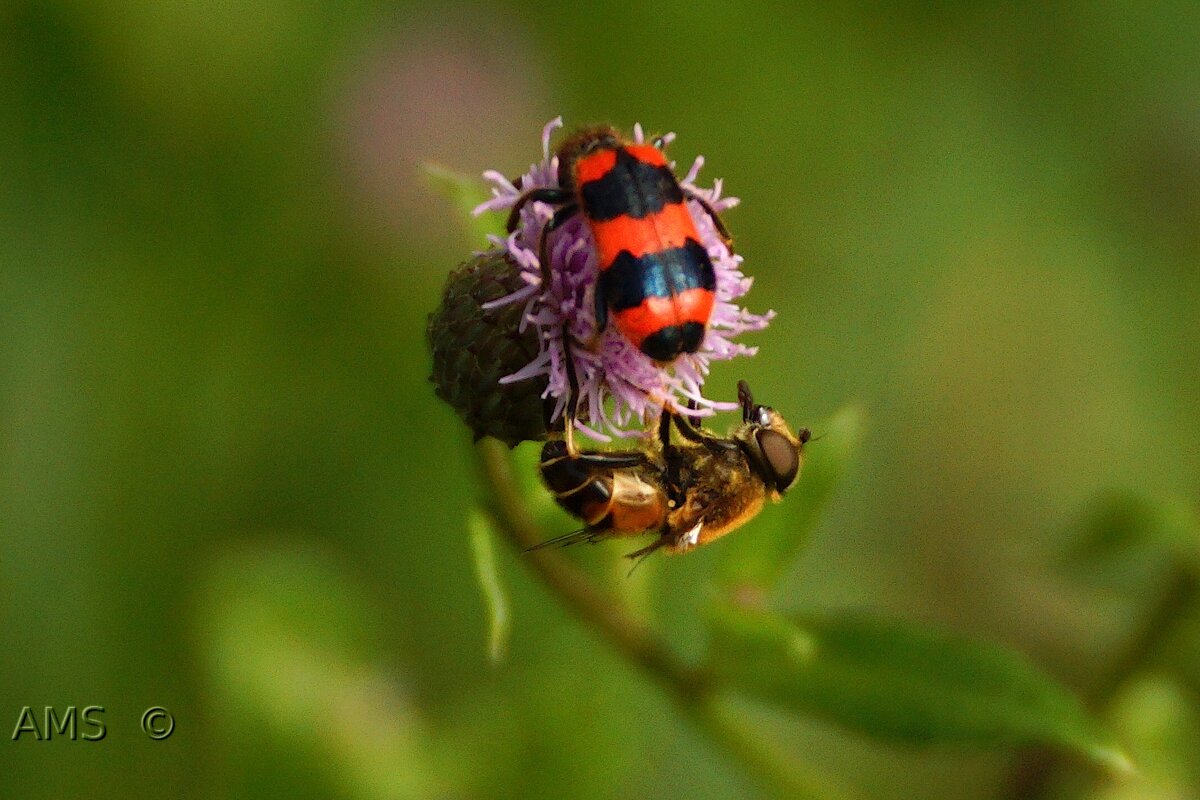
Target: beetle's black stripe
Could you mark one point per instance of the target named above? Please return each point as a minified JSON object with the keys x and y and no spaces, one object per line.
{"x":631,"y":188}
{"x":667,"y":343}
{"x":631,"y":280}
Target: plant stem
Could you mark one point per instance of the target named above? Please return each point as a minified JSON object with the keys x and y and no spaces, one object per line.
{"x":604,"y":614}
{"x":631,"y":637}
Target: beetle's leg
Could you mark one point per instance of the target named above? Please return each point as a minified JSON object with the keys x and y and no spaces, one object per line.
{"x":546,"y":194}
{"x":722,"y":231}
{"x":600,"y":306}
{"x":560,"y":216}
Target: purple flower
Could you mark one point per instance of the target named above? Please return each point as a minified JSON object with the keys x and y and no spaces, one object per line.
{"x":637,"y":386}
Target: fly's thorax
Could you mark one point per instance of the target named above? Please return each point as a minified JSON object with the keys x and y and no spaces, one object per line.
{"x":720,"y":494}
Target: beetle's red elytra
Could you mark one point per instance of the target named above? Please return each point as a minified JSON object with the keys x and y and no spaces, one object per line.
{"x":656,"y":279}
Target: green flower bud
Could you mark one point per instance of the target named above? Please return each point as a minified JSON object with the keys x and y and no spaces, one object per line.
{"x":474,"y":347}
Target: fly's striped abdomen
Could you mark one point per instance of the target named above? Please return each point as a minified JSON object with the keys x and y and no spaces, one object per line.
{"x":656,"y":278}
{"x":582,"y":491}
{"x":615,"y":494}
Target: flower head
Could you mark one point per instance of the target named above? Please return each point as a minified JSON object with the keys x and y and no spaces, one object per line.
{"x":620,"y":388}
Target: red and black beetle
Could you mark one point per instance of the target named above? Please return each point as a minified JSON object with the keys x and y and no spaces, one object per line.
{"x":656,"y":278}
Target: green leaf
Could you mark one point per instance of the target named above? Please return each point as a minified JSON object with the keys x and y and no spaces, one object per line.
{"x":774,"y":765}
{"x":898,"y":681}
{"x":1157,"y":718}
{"x":487,"y":573}
{"x":294,"y":656}
{"x":1181,"y":652}
{"x":760,"y":558}
{"x":1123,"y":534}
{"x":466,"y":193}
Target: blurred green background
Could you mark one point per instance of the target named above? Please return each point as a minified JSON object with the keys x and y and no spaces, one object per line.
{"x":226,"y":487}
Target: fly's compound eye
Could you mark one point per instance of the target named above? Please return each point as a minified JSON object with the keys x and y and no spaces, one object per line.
{"x":781,"y":458}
